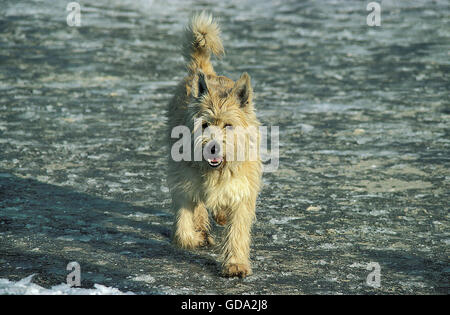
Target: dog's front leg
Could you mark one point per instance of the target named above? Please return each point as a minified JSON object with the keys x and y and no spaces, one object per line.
{"x":191,"y":226}
{"x":236,"y":249}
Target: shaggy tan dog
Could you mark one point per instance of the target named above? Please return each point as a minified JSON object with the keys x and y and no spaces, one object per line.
{"x":227,"y":186}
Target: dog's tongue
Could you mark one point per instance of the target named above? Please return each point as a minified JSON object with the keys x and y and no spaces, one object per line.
{"x":216,"y":160}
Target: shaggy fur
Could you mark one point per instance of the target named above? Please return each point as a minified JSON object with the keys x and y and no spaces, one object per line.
{"x":230,"y":190}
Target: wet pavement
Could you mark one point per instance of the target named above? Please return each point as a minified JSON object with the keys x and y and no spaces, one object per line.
{"x":363,"y":115}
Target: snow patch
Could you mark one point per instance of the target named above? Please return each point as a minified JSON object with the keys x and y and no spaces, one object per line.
{"x":144,"y":278}
{"x":26,"y":287}
{"x":283,"y":220}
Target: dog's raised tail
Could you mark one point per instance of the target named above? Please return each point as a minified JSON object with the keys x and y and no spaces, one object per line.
{"x":201,"y":39}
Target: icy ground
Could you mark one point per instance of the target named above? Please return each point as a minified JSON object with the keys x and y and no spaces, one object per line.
{"x":363,"y":115}
{"x":27,"y":287}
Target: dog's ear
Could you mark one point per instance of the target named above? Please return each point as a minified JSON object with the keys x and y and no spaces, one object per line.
{"x":202,"y":86}
{"x":243,"y":90}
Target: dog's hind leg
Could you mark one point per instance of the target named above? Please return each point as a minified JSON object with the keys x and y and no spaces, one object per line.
{"x":220,"y":216}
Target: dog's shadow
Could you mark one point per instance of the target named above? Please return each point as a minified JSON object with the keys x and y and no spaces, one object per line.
{"x":44,"y":226}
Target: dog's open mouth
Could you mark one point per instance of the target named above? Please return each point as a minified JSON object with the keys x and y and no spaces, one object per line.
{"x":215,"y":162}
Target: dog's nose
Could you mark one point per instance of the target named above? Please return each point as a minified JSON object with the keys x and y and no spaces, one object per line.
{"x":212,"y":150}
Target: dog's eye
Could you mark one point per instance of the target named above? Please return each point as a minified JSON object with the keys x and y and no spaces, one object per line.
{"x":228,"y":126}
{"x":205,"y":125}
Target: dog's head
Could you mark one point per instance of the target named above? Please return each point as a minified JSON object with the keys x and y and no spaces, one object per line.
{"x":224,"y":121}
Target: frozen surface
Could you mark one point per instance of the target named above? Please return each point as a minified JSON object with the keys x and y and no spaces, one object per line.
{"x":363,"y":115}
{"x":26,"y":286}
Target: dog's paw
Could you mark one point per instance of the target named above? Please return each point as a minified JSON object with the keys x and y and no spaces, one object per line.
{"x":193,"y":241}
{"x":220,"y":218}
{"x":236,"y":270}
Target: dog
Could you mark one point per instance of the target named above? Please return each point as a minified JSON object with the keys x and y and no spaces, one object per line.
{"x":228,"y":187}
